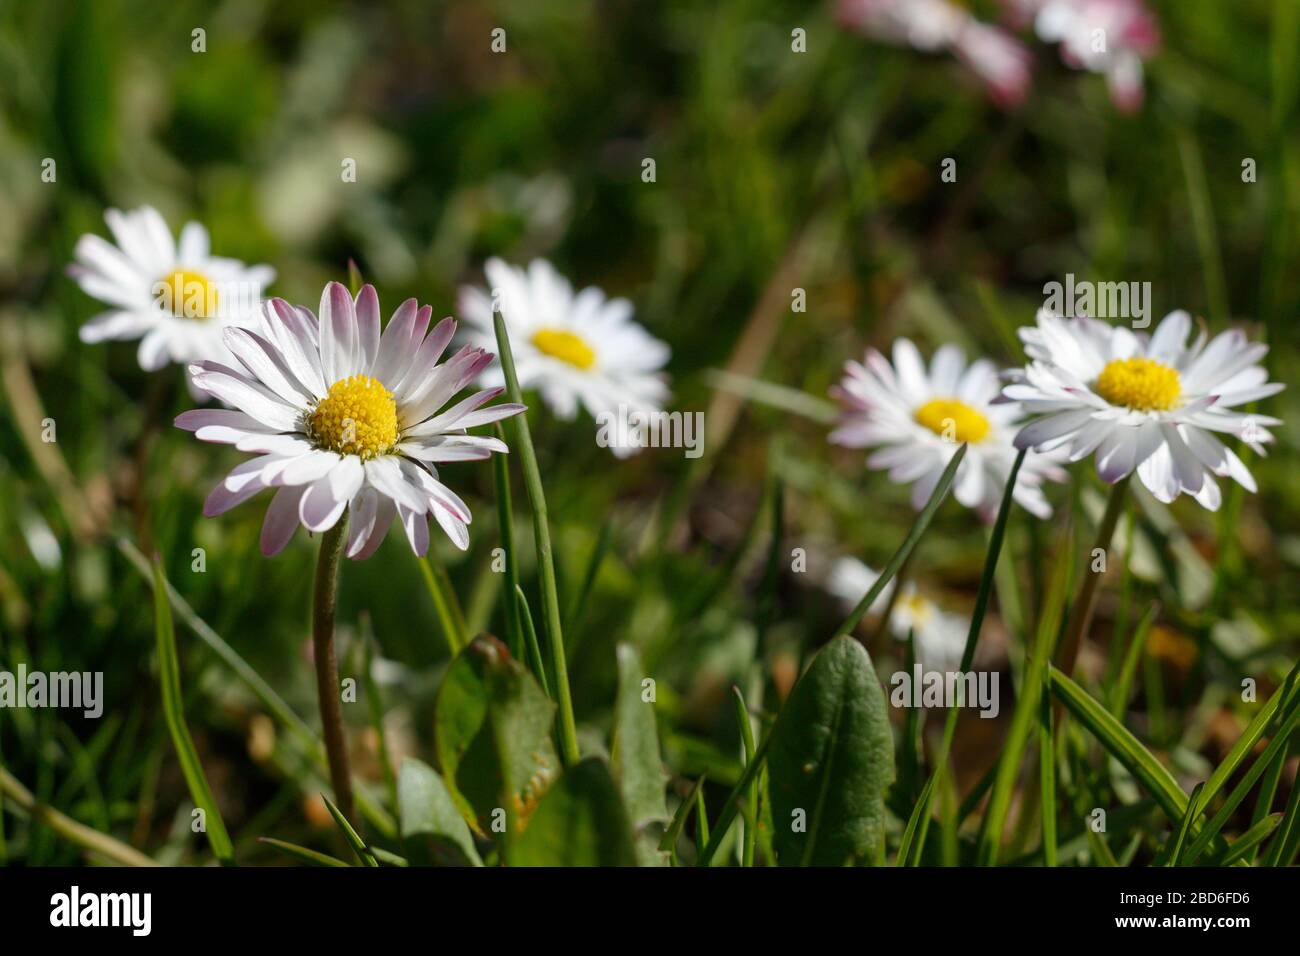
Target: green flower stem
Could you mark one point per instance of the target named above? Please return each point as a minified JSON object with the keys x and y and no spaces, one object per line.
{"x":506,"y":521}
{"x":545,"y":558}
{"x":1084,"y":604}
{"x":327,"y":670}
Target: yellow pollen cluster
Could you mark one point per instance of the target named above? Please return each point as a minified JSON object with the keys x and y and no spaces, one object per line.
{"x":565,"y":346}
{"x":1142,"y":384}
{"x":357,"y":417}
{"x":953,"y":420}
{"x":188,"y":295}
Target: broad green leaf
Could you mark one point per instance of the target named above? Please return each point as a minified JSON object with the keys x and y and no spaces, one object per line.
{"x":728,"y":813}
{"x":431,"y":825}
{"x":462,"y":738}
{"x":634,"y":751}
{"x":492,"y":733}
{"x":522,"y":719}
{"x":579,"y":822}
{"x":830,"y":761}
{"x":169,"y":677}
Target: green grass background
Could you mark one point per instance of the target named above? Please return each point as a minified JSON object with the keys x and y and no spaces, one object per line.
{"x":775,"y":170}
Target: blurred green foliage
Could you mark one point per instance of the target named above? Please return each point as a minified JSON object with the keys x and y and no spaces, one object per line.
{"x":773,"y":170}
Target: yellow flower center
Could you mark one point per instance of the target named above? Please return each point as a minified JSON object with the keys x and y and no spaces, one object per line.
{"x":188,"y":295}
{"x":358,"y":416}
{"x":565,"y":346}
{"x":919,"y":607}
{"x":1140,"y":383}
{"x":953,"y":420}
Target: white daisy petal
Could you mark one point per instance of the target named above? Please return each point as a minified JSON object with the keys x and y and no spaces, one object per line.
{"x":416,"y":526}
{"x":328,"y":434}
{"x":248,"y":396}
{"x":915,"y":421}
{"x":362,"y":512}
{"x":1151,"y":405}
{"x":281,"y":519}
{"x":319,"y":510}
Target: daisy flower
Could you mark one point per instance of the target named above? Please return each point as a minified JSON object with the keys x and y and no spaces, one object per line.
{"x":1111,"y":37}
{"x":575,"y":349}
{"x":174,"y":296}
{"x":938,"y":635}
{"x":916,"y":418}
{"x":342,"y":417}
{"x":1145,"y":402}
{"x":995,"y":56}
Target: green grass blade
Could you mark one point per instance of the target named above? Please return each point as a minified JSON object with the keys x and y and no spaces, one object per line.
{"x":169,"y":677}
{"x":1176,"y":851}
{"x":1123,"y":686}
{"x":1275,"y":751}
{"x":1248,"y":841}
{"x":727,"y":815}
{"x":1047,"y":778}
{"x":1284,"y":697}
{"x":375,"y":707}
{"x":1101,"y":854}
{"x":1267,"y":793}
{"x":264,"y":692}
{"x":542,"y":536}
{"x":530,"y":640}
{"x":388,"y":858}
{"x":905,"y":549}
{"x":1122,"y":745}
{"x":751,"y":804}
{"x":1025,"y":714}
{"x":668,"y":843}
{"x":444,"y":605}
{"x":1207,"y":238}
{"x":918,"y":825}
{"x":354,"y":839}
{"x":701,"y":826}
{"x":312,"y":857}
{"x":579,"y":603}
{"x":1283,"y":848}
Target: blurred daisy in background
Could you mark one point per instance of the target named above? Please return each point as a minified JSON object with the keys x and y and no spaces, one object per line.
{"x":1111,"y":37}
{"x":917,"y":418}
{"x":999,"y":60}
{"x":574,"y":349}
{"x":939,"y":636}
{"x":1145,"y":402}
{"x":342,"y":417}
{"x":174,"y":296}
